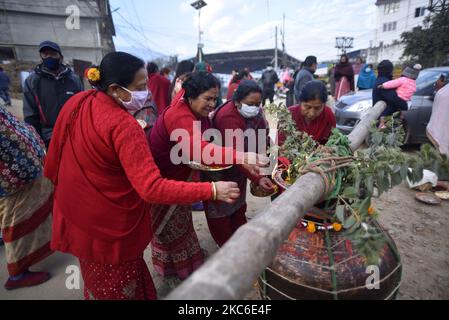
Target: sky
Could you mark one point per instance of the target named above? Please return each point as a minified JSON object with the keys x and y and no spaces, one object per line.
{"x":170,"y":27}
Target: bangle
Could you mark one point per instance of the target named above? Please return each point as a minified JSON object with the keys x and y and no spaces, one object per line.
{"x":214,"y":191}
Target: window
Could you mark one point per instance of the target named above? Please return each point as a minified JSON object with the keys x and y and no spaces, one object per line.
{"x":391,"y":26}
{"x":392,"y":7}
{"x":419,"y":12}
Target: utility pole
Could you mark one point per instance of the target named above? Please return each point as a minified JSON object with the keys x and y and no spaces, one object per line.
{"x":198,"y":5}
{"x":276,"y":55}
{"x":284,"y":54}
{"x":343,"y":43}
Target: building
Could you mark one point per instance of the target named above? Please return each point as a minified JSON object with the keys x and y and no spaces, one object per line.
{"x":26,"y":23}
{"x":393,"y":18}
{"x":254,"y":60}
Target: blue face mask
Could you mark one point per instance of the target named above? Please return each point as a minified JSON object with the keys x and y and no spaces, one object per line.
{"x":51,"y":63}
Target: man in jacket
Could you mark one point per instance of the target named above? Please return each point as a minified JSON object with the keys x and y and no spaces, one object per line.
{"x":269,"y":80}
{"x":4,"y":87}
{"x":47,"y":90}
{"x":305,"y":75}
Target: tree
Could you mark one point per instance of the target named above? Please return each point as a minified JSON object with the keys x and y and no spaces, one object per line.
{"x":429,"y":43}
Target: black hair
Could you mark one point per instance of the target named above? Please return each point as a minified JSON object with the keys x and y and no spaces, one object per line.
{"x":197,"y":83}
{"x":152,"y":67}
{"x":119,"y":68}
{"x":310,"y":60}
{"x":245,"y":88}
{"x":314,"y":89}
{"x":239,"y":76}
{"x":385,"y":69}
{"x":184,"y":67}
{"x":345,"y":56}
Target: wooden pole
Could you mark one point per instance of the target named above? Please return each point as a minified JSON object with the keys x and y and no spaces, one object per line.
{"x":230,"y":273}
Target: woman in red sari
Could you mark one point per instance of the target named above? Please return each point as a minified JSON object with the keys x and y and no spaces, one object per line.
{"x":238,"y":77}
{"x":313,"y":116}
{"x":240,"y":114}
{"x":175,"y":247}
{"x":105,"y":180}
{"x":344,"y":77}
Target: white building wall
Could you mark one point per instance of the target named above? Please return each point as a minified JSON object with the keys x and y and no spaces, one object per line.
{"x":397,"y":17}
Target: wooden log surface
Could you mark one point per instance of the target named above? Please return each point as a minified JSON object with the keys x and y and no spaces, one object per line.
{"x":230,"y":273}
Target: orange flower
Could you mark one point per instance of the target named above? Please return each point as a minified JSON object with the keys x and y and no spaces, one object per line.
{"x":311,"y":227}
{"x":337,"y":226}
{"x":371,"y":210}
{"x":93,"y":74}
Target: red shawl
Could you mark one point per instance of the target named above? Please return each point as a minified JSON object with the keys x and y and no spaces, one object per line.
{"x":231,"y":89}
{"x":160,"y":90}
{"x":320,"y":128}
{"x":105,"y":177}
{"x":345,"y":70}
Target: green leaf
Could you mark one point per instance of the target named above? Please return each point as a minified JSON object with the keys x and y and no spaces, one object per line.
{"x":366,"y":203}
{"x":349,"y":222}
{"x":370,"y":184}
{"x":376,"y":138}
{"x":340,"y":212}
{"x":350,"y":193}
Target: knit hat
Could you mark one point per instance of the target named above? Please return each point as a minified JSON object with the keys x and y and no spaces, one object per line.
{"x":412,"y":73}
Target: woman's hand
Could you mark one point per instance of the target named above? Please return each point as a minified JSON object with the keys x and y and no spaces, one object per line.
{"x":253,"y":162}
{"x":266,"y":184}
{"x":227,"y":191}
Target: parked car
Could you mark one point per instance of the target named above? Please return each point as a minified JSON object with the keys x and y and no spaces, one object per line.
{"x":351,"y":108}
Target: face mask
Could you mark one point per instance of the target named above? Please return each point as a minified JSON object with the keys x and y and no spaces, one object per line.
{"x":368,"y":69}
{"x":138,"y":99}
{"x":51,"y":63}
{"x":249,"y":111}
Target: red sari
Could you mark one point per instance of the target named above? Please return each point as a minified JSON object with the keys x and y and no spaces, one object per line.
{"x":105,"y":179}
{"x":224,"y":219}
{"x":231,"y":89}
{"x":320,"y":129}
{"x":176,"y":250}
{"x":159,"y":87}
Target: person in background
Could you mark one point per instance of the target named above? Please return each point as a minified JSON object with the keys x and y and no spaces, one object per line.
{"x":25,"y":202}
{"x":250,"y":77}
{"x":290,"y":87}
{"x":183,"y":69}
{"x":405,"y":87}
{"x":47,"y":90}
{"x":344,"y":77}
{"x":331,"y":74}
{"x":159,"y":87}
{"x":357,"y":67}
{"x":239,"y":77}
{"x":269,"y":80}
{"x":106,"y":179}
{"x":4,"y":87}
{"x":233,"y":74}
{"x":312,"y":115}
{"x":242,"y":112}
{"x":367,"y":78}
{"x":165,"y":72}
{"x":305,"y":75}
{"x":438,"y":130}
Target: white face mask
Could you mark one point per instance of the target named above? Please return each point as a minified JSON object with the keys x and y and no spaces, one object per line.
{"x":249,"y":111}
{"x":138,"y":99}
{"x":368,"y":69}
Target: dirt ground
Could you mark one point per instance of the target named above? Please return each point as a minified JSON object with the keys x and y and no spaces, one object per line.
{"x":420,"y":231}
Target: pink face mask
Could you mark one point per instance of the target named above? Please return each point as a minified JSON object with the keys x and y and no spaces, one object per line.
{"x":138,"y":99}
